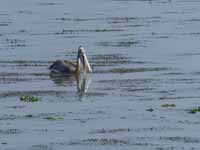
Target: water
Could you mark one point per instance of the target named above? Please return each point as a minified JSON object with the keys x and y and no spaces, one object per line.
{"x":145,"y":56}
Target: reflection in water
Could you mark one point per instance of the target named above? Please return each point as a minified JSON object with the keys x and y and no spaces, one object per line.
{"x":82,"y":81}
{"x":83,"y":84}
{"x":61,"y":79}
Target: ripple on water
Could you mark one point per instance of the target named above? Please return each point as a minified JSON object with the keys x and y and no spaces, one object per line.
{"x":140,"y":94}
{"x":132,"y":70}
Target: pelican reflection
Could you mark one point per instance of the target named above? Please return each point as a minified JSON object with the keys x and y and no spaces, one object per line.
{"x":83,"y":84}
{"x":82,"y":81}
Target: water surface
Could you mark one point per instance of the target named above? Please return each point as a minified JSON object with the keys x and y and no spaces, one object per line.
{"x":145,"y":56}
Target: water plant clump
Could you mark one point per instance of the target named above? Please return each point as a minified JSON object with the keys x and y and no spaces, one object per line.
{"x":54,"y":118}
{"x":28,"y":98}
{"x":115,"y":130}
{"x":168,"y":105}
{"x":194,"y":110}
{"x":105,"y":141}
{"x":150,"y":109}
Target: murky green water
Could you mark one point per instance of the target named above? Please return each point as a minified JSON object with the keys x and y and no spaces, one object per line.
{"x":146,"y":81}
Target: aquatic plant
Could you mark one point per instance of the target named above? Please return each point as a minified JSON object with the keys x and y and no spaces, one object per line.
{"x":115,"y":130}
{"x":28,"y":98}
{"x":54,"y":118}
{"x":4,"y":143}
{"x":101,"y":141}
{"x":29,"y":116}
{"x":194,"y":110}
{"x":168,"y":105}
{"x":150,"y":109}
{"x":132,"y":70}
{"x":72,"y":31}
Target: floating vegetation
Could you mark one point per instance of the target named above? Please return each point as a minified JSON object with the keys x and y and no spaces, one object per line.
{"x":73,"y":31}
{"x":3,"y":24}
{"x":173,"y":73}
{"x":9,"y":80}
{"x":28,"y":98}
{"x":110,"y":59}
{"x":194,"y":110}
{"x":107,"y":141}
{"x":4,"y":143}
{"x":136,"y":130}
{"x":129,"y":86}
{"x":150,"y":109}
{"x":57,"y":93}
{"x":111,"y":130}
{"x":131,"y":70}
{"x":178,"y":97}
{"x":121,"y":43}
{"x":84,"y":120}
{"x":15,"y":42}
{"x":10,"y":131}
{"x":16,"y":106}
{"x":111,"y":20}
{"x":21,"y":93}
{"x":102,"y":141}
{"x":24,"y":63}
{"x":168,"y":105}
{"x":41,"y":147}
{"x":181,"y":139}
{"x":48,"y":3}
{"x":29,"y":116}
{"x":133,"y":89}
{"x":52,"y":118}
{"x":49,"y":116}
{"x":75,"y":19}
{"x":27,"y":12}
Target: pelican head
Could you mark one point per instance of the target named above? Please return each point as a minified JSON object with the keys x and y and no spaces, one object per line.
{"x":82,"y":60}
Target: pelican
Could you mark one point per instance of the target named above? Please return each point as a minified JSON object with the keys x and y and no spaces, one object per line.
{"x":67,"y":67}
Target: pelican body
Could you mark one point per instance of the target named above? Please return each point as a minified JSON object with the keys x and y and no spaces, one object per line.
{"x":67,"y":67}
